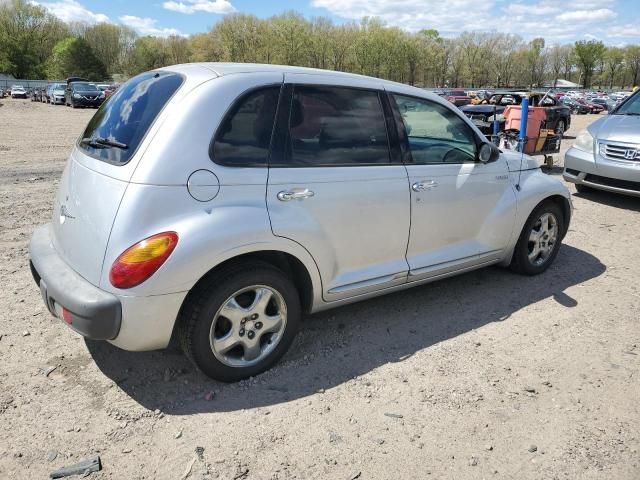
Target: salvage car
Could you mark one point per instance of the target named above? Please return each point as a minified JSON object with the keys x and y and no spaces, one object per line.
{"x":606,"y":156}
{"x":457,"y":97}
{"x":558,"y":116}
{"x":235,"y":198}
{"x":83,"y":94}
{"x":57,"y":93}
{"x":18,"y":91}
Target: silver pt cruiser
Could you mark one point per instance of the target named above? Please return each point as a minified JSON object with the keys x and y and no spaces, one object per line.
{"x":220,"y":202}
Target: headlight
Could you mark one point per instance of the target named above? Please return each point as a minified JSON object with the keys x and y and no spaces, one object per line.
{"x":101,"y":95}
{"x":584,"y":142}
{"x":76,"y":95}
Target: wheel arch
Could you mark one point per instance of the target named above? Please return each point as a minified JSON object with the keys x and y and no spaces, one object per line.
{"x":307,"y":284}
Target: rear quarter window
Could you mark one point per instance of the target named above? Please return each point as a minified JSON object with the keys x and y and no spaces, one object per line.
{"x":119,"y":126}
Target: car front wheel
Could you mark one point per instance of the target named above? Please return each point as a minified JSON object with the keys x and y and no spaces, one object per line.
{"x":539,"y":241}
{"x":240,"y":322}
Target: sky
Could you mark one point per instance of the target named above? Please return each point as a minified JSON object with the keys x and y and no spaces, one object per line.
{"x":615,"y":22}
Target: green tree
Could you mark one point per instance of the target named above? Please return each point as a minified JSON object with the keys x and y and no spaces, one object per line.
{"x":27,"y":35}
{"x":73,"y":56}
{"x":632,"y":58}
{"x":588,"y":54}
{"x":613,"y":59}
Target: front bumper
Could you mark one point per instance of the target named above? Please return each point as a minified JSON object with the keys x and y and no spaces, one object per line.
{"x":84,"y":102}
{"x":57,"y":99}
{"x":92,"y":312}
{"x":128,"y":322}
{"x":619,"y":177}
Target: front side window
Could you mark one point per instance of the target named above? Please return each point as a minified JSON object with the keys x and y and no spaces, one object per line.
{"x":244,"y":136}
{"x":631,"y":106}
{"x":435,"y":134}
{"x":118,"y":127}
{"x":336,"y":126}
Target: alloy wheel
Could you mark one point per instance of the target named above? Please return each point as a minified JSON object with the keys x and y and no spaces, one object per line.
{"x":542,"y":239}
{"x":248,"y":326}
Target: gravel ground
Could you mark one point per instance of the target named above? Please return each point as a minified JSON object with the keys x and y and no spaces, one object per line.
{"x":486,"y":375}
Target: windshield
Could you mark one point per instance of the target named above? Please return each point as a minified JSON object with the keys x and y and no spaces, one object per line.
{"x":84,"y":87}
{"x":118,"y":127}
{"x":630,"y":107}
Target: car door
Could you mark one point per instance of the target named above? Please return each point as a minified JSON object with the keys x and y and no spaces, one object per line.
{"x":335,"y":188}
{"x":462,"y":210}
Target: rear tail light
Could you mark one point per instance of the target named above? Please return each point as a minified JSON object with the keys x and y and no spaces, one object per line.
{"x":138,"y":262}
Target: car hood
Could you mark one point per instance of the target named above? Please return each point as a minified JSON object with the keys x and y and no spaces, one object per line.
{"x":517,"y":161}
{"x":481,"y":109}
{"x":622,"y":128}
{"x":58,"y":92}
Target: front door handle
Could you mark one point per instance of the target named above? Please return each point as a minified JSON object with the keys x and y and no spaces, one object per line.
{"x":286,"y":196}
{"x":422,"y":186}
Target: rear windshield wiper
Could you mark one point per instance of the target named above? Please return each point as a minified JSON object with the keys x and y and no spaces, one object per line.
{"x":99,"y":142}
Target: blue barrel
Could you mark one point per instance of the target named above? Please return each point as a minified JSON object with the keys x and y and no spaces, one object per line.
{"x":524,"y":116}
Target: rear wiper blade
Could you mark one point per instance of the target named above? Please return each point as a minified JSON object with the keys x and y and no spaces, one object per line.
{"x":99,"y":142}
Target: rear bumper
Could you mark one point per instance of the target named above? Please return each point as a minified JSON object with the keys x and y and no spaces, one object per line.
{"x":128,"y":322}
{"x":616,"y":177}
{"x":92,"y":312}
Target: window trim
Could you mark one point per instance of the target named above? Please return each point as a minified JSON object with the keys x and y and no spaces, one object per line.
{"x":281,"y":140}
{"x":143,"y":138}
{"x":229,"y":111}
{"x":404,"y":137}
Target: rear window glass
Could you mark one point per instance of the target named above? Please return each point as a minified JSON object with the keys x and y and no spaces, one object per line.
{"x":118,"y":127}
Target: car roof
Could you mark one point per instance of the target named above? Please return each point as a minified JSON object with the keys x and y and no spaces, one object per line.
{"x":220,"y":69}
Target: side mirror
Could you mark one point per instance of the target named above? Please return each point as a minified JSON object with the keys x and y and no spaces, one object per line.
{"x":488,"y":153}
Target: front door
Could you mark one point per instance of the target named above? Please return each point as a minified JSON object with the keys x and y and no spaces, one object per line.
{"x":462,"y":210}
{"x":334,"y":188}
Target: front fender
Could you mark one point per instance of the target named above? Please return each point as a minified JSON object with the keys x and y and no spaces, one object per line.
{"x":535,"y":188}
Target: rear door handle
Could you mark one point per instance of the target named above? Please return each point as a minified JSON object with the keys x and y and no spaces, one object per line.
{"x":286,"y":196}
{"x":422,"y":186}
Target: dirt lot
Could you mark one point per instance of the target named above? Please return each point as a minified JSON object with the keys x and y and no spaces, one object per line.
{"x":487,"y":375}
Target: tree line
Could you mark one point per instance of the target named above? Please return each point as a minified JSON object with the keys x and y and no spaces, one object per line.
{"x":36,"y":44}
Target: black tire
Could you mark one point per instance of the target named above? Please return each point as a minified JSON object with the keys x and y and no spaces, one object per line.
{"x":583,"y":188}
{"x":520,"y":263}
{"x":197,"y":316}
{"x":560,"y":128}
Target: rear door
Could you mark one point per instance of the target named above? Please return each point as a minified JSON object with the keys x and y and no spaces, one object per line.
{"x":462,"y":211}
{"x":334,"y":186}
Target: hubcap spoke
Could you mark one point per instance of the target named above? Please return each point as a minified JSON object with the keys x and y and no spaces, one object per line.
{"x":252,"y":351}
{"x":534,"y":236}
{"x":272,"y":324}
{"x":226,"y":343}
{"x":233,"y":311}
{"x":259,"y":305}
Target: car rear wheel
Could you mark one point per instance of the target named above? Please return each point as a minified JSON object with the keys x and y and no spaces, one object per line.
{"x":539,"y":241}
{"x":240,"y":322}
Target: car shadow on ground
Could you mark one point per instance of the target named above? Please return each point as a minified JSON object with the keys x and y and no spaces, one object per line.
{"x":335,"y":346}
{"x":611,"y":199}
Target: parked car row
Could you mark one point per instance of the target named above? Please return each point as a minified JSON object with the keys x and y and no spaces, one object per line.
{"x":75,"y":93}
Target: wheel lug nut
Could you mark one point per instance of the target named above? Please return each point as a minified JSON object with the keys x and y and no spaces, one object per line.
{"x":254,"y":316}
{"x":258,"y":325}
{"x":243,"y":321}
{"x":241,"y":332}
{"x":250,"y":334}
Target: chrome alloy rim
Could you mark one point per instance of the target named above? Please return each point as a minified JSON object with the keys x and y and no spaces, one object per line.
{"x":248,"y":326}
{"x":542,"y":239}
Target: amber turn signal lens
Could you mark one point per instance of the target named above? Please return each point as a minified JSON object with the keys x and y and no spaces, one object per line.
{"x":138,"y":262}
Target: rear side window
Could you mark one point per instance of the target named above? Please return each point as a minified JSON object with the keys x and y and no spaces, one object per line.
{"x":118,"y":127}
{"x":336,"y":126}
{"x":244,"y":136}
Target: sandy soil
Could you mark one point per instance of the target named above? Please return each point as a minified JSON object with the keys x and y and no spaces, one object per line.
{"x":487,"y":375}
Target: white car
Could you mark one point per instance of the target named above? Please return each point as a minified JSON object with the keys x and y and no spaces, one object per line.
{"x":18,"y":91}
